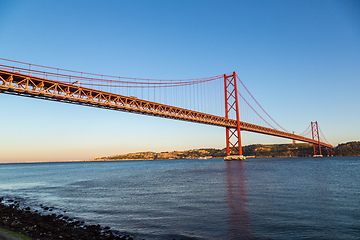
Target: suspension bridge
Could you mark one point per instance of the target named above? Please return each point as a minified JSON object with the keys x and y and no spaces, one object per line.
{"x":221,"y":100}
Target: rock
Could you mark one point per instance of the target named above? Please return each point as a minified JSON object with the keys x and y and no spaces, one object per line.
{"x":43,"y":226}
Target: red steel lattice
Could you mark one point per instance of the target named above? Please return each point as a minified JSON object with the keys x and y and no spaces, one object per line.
{"x":233,"y":134}
{"x":316,"y":137}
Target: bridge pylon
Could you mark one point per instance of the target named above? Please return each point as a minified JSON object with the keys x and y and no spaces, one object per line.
{"x":233,"y":134}
{"x":329,"y":151}
{"x":316,"y":137}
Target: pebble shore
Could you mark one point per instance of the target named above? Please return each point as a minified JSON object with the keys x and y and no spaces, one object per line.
{"x":36,"y":225}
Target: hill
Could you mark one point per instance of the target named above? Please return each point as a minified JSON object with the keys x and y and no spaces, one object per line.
{"x":255,"y":150}
{"x":347,"y":149}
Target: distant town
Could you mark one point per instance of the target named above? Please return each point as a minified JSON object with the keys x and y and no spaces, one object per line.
{"x":250,"y":151}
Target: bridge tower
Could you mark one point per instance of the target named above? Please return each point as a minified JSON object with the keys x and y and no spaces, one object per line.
{"x":329,"y":151}
{"x":233,"y":135}
{"x":316,"y":136}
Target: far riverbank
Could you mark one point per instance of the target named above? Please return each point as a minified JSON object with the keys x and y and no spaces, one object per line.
{"x":250,"y":151}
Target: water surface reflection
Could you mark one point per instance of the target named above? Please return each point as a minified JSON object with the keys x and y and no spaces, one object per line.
{"x":238,"y":221}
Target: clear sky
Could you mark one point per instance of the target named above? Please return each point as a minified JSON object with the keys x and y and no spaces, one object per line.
{"x":300,"y":59}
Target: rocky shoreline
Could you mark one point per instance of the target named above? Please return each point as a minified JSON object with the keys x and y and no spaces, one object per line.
{"x":36,"y":225}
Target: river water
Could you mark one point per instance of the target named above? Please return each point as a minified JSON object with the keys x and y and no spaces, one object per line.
{"x":274,"y":198}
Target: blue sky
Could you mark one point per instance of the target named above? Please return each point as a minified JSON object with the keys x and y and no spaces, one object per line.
{"x":300,"y":59}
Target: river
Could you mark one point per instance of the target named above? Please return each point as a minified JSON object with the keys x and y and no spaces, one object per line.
{"x":269,"y":198}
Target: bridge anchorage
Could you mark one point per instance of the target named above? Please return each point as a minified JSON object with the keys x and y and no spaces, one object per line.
{"x":198,"y":100}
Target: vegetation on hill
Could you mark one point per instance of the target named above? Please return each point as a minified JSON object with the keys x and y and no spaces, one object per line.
{"x":347,"y":149}
{"x":255,"y":150}
{"x":190,"y":154}
{"x":279,"y":150}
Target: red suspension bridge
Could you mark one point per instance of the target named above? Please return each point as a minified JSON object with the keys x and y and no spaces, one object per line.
{"x":220,"y":100}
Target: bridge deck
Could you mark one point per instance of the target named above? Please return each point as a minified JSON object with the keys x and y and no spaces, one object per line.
{"x":30,"y":86}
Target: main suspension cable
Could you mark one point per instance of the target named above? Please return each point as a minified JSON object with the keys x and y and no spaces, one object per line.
{"x":260,"y":105}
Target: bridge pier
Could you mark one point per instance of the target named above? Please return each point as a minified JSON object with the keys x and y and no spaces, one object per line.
{"x":235,"y":157}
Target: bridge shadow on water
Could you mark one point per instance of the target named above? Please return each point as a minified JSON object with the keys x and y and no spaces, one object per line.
{"x":236,"y":198}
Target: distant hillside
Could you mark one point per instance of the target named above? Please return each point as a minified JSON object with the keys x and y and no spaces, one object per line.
{"x":279,"y":150}
{"x":255,"y":150}
{"x":347,"y":149}
{"x":190,"y":154}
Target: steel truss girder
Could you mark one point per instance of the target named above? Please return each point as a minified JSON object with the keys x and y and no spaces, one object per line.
{"x":41,"y":88}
